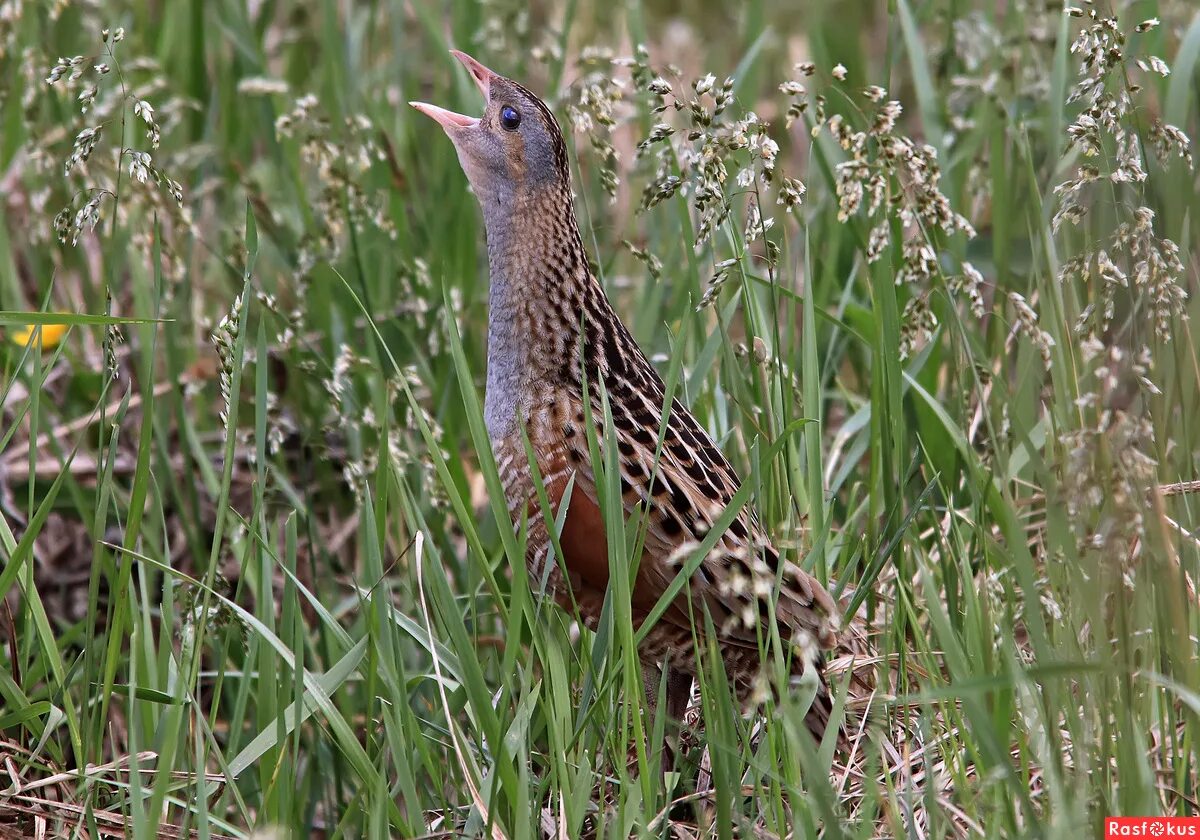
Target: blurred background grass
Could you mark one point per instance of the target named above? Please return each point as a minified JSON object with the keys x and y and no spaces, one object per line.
{"x":253,"y":577}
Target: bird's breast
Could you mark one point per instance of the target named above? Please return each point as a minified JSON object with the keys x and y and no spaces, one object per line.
{"x":505,"y":375}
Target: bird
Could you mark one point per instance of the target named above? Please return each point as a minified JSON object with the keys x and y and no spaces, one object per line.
{"x":555,"y":348}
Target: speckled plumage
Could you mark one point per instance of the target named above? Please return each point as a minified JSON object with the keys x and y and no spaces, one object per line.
{"x":553,"y":337}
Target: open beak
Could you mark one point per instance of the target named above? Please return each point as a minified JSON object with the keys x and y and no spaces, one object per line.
{"x":449,"y":120}
{"x":482,"y":76}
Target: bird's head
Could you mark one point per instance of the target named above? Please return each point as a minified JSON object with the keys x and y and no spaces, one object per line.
{"x":514,"y":151}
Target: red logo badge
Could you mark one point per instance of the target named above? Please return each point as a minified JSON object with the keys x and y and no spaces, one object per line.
{"x":1118,"y":827}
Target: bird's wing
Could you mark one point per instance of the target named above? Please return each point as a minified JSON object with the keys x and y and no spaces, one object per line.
{"x":682,"y":493}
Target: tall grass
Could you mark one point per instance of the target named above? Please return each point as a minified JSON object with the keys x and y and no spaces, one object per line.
{"x":257,"y":571}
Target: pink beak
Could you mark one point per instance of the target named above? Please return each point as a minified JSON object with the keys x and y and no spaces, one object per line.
{"x":449,"y":120}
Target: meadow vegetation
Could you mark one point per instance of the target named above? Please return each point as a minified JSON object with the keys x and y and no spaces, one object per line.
{"x":923,"y":268}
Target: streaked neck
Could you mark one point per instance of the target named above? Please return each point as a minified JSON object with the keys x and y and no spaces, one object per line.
{"x":538,"y":282}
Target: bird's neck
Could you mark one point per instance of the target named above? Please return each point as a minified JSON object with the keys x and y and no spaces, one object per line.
{"x":540,"y":284}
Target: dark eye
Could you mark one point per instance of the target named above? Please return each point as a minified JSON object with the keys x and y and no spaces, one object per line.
{"x":509,"y":118}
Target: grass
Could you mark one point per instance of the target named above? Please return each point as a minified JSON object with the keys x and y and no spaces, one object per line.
{"x":255,"y":582}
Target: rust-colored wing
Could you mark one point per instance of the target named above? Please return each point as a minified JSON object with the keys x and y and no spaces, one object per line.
{"x":678,"y":498}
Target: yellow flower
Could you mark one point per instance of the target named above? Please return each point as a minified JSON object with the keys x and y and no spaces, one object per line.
{"x":47,"y":335}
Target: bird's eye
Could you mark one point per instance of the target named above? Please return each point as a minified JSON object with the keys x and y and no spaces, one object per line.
{"x":510,"y":118}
